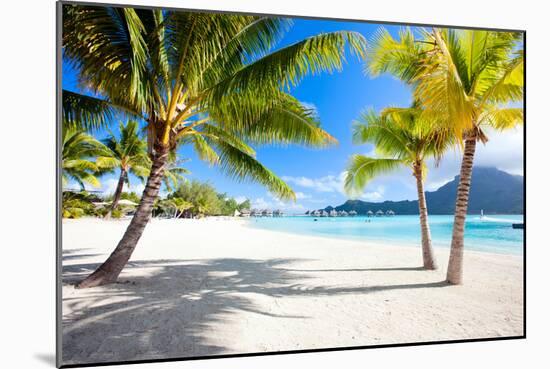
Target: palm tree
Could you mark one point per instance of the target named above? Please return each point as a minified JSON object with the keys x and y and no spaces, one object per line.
{"x":211,"y":81}
{"x":466,"y":81}
{"x":128,"y":154}
{"x":470,"y":80}
{"x":403,"y":139}
{"x":78,"y":150}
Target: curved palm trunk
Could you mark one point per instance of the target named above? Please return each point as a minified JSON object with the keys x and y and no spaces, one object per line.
{"x":427,"y":251}
{"x":454,"y":270}
{"x":118,"y":193}
{"x":109,"y":271}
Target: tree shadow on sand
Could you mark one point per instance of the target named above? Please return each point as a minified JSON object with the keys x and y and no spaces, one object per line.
{"x":187,"y":298}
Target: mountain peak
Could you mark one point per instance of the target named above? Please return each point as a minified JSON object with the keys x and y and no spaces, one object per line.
{"x":493,"y":190}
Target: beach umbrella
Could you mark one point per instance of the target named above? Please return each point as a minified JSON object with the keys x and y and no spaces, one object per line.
{"x":127,"y":202}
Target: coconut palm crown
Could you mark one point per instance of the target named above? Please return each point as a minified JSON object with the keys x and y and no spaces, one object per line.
{"x":78,"y":152}
{"x":127,"y":154}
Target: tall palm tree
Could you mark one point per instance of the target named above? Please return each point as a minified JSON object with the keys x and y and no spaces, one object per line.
{"x":402,"y":139}
{"x":471,"y":80}
{"x":464,"y":79}
{"x":127,"y":154}
{"x":212,"y":81}
{"x":78,"y":152}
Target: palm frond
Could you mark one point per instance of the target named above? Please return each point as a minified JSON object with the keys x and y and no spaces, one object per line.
{"x":85,"y":112}
{"x":362,"y":169}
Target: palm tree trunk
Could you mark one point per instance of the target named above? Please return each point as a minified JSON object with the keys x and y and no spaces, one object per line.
{"x":118,"y":193}
{"x":427,"y":251}
{"x":109,"y":271}
{"x":454,"y":270}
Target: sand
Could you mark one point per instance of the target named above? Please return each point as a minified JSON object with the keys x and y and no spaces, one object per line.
{"x":214,"y":287}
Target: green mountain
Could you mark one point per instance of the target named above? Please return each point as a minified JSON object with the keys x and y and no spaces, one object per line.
{"x":494,"y":191}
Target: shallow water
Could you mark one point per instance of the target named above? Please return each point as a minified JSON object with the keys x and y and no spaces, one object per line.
{"x":493,"y":233}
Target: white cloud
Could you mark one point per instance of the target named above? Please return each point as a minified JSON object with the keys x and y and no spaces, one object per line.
{"x":376,"y":195}
{"x":272,"y":202}
{"x":108,"y":187}
{"x":241,"y":199}
{"x":329,"y":183}
{"x":301,"y":196}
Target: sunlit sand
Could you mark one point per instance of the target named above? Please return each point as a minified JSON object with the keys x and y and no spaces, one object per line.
{"x":213,"y":286}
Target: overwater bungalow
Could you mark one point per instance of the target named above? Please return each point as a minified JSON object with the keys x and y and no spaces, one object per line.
{"x":353,"y":213}
{"x":390,"y":213}
{"x":344,"y":213}
{"x":370,"y":213}
{"x":245,"y":213}
{"x":333,"y":213}
{"x":324,"y":213}
{"x":316,"y":213}
{"x":278,"y":213}
{"x":379,"y":213}
{"x":255,"y":213}
{"x":267,"y":213}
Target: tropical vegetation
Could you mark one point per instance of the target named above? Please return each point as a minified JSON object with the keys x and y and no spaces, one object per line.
{"x":400,"y":138}
{"x":466,"y":81}
{"x":211,"y":81}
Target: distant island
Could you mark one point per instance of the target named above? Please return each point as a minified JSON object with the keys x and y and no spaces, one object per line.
{"x":493,"y":191}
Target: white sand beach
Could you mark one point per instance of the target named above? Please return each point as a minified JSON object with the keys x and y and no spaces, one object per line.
{"x":211,"y":287}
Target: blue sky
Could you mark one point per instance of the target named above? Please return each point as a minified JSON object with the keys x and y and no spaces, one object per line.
{"x":316,"y":175}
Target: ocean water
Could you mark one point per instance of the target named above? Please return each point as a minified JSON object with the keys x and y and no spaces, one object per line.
{"x":493,"y":233}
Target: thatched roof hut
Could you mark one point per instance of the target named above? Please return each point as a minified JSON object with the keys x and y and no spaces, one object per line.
{"x":353,"y":213}
{"x":370,"y":213}
{"x":379,"y":213}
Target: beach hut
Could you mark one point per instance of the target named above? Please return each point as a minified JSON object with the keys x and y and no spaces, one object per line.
{"x":390,"y":213}
{"x":245,"y":213}
{"x":333,"y":213}
{"x":370,"y":213}
{"x":379,"y":213}
{"x":324,"y":213}
{"x":353,"y":213}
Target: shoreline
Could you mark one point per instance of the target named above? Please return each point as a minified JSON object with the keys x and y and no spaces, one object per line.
{"x":389,"y":243}
{"x":371,"y":242}
{"x":213,"y":286}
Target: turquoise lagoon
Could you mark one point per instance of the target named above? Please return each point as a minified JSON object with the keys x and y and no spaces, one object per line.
{"x":492,"y":233}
